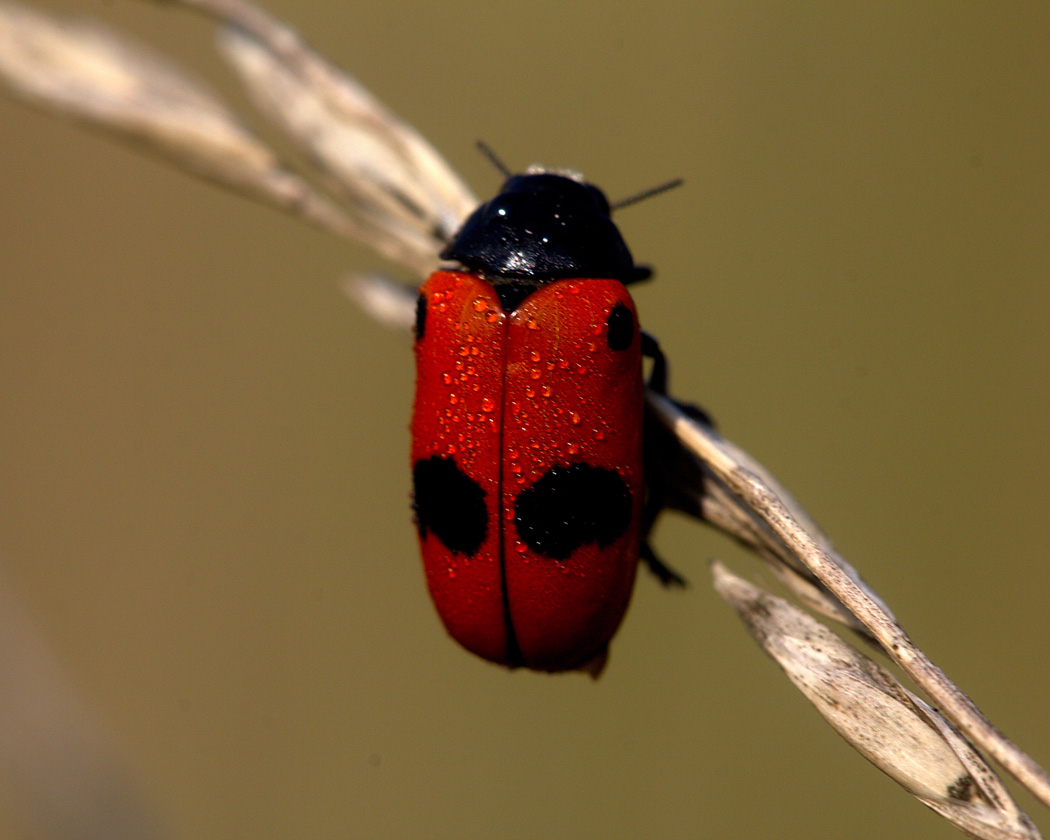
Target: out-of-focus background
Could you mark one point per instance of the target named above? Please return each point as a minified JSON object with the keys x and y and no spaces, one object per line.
{"x":203,"y":468}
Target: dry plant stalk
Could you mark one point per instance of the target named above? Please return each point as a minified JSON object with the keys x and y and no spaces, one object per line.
{"x":376,"y":180}
{"x":887,"y":724}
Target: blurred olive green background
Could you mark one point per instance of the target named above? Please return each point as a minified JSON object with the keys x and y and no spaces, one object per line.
{"x":203,"y":477}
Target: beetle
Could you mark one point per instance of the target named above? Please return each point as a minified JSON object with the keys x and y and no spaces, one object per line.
{"x":527,"y":429}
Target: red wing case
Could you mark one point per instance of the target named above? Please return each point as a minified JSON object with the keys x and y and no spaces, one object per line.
{"x":527,"y":465}
{"x":456,"y":429}
{"x":572,"y":469}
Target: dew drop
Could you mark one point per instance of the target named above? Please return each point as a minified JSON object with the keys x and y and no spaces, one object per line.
{"x":488,"y":404}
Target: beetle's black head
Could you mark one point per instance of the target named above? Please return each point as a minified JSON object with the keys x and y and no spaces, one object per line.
{"x":544,"y":227}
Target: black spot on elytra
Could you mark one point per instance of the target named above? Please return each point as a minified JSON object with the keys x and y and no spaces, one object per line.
{"x":571,"y":506}
{"x":620,"y":327}
{"x":449,"y":503}
{"x":421,"y":316}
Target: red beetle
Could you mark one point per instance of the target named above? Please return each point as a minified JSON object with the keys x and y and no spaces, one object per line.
{"x":527,"y":427}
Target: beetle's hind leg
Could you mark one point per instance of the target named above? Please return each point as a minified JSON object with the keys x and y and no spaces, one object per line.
{"x":665,"y":574}
{"x":655,"y":499}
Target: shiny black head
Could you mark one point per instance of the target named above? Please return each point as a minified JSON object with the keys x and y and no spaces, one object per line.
{"x":544,"y":227}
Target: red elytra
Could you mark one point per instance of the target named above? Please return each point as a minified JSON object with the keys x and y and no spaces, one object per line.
{"x":527,"y":463}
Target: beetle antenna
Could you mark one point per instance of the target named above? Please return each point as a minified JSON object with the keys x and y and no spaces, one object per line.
{"x":644,"y":194}
{"x":486,"y":150}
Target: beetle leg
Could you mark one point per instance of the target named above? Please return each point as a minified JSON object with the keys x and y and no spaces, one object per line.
{"x":658,"y":374}
{"x":654,"y":504}
{"x":658,"y":379}
{"x":656,"y":496}
{"x":664,"y":573}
